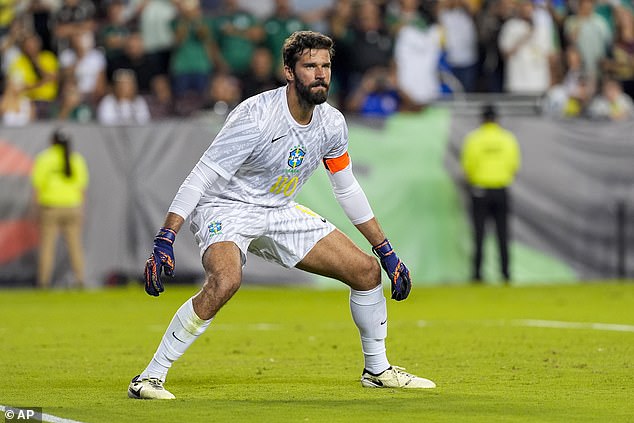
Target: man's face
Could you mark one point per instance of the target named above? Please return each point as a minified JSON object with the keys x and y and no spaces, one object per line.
{"x":311,"y":76}
{"x":586,"y":7}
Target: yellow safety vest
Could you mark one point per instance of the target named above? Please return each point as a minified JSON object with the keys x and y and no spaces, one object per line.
{"x":52,"y":186}
{"x":490,"y":156}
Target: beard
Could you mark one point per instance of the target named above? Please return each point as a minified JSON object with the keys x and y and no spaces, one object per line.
{"x":309,"y":97}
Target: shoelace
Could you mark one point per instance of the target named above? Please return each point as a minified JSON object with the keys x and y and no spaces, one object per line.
{"x":156,"y":383}
{"x":400,"y":371}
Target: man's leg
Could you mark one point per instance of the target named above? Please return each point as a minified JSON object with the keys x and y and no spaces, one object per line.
{"x":478,"y":216}
{"x":336,"y":256}
{"x":223,"y":272}
{"x":500,"y":215}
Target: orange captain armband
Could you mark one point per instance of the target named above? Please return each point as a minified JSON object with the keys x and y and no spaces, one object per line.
{"x":336,"y":164}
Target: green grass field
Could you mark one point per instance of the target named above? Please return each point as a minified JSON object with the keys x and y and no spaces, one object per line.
{"x":293,"y":355}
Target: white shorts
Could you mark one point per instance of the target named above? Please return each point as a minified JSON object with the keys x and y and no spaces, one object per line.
{"x":283,"y":235}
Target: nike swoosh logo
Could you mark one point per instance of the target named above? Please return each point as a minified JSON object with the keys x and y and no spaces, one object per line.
{"x":383,"y":322}
{"x":174,"y":335}
{"x":137,"y":393}
{"x":275,"y":139}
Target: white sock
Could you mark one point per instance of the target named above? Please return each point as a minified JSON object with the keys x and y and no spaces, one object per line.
{"x":182,"y":331}
{"x":369,"y":313}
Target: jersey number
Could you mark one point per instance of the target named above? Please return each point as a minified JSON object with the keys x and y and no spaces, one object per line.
{"x":285,"y":185}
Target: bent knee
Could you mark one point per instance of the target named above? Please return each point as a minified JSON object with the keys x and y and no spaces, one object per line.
{"x":368,"y":276}
{"x":221,"y":284}
{"x":215,"y":293}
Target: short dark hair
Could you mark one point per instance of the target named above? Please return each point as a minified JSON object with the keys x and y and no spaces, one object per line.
{"x":489,"y":113}
{"x":299,"y":41}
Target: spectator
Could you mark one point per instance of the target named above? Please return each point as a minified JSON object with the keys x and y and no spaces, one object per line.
{"x":279,"y":26}
{"x":41,"y":14}
{"x":224,"y":94}
{"x":608,"y":9}
{"x":612,"y":103}
{"x":87,"y":64}
{"x":490,"y":23}
{"x":559,"y":11}
{"x":417,"y":53}
{"x":340,"y":20}
{"x":136,"y":59}
{"x":340,"y":29}
{"x":490,"y":158}
{"x":620,"y":60}
{"x":10,"y":45}
{"x":70,"y":105}
{"x":261,"y":76}
{"x":527,"y":48}
{"x":461,"y":41}
{"x":589,"y":32}
{"x":237,"y":33}
{"x":75,"y":17}
{"x":155,"y":24}
{"x":159,"y":101}
{"x":60,"y":178}
{"x":572,"y":95}
{"x":576,"y":79}
{"x":371,"y":45}
{"x":564,"y":102}
{"x":377,"y":96}
{"x":16,"y":108}
{"x":543,"y":18}
{"x":113,"y":34}
{"x":7,"y":15}
{"x":405,"y":12}
{"x":124,"y":106}
{"x":38,"y":69}
{"x":191,"y":62}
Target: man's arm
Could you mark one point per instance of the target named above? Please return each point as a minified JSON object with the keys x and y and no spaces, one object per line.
{"x":372,"y":231}
{"x":173,"y":221}
{"x":201,"y":179}
{"x":354,"y":202}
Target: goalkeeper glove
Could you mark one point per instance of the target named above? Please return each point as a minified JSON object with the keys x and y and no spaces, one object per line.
{"x":162,"y":258}
{"x":396,"y":270}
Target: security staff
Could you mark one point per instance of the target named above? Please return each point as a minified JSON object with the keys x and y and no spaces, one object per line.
{"x":60,"y":178}
{"x":490,"y":160}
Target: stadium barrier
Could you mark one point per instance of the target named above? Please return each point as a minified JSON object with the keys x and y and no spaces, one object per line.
{"x":571,"y":193}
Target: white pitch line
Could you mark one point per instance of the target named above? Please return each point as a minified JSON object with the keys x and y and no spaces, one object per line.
{"x":45,"y":417}
{"x":574,"y":325}
{"x":555,"y":324}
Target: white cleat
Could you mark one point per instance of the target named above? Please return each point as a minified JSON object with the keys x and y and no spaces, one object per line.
{"x":395,"y":377}
{"x":151,"y":388}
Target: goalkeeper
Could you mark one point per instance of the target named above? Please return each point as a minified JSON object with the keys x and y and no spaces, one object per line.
{"x":239,"y":198}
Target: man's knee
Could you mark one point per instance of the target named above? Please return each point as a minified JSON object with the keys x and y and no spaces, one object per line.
{"x":368,"y":275}
{"x":216,"y":291}
{"x":223,"y":276}
{"x":218,"y":284}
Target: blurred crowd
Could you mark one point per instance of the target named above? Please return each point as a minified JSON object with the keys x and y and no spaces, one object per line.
{"x":121,"y":62}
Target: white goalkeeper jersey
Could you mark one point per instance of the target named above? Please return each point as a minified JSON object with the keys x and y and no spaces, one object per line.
{"x":266,"y":156}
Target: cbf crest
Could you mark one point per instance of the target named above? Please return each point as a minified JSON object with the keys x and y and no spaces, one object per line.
{"x":215,"y":228}
{"x":295,"y":158}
